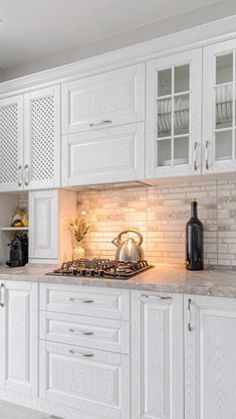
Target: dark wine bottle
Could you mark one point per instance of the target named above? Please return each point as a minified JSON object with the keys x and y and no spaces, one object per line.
{"x":194,"y":241}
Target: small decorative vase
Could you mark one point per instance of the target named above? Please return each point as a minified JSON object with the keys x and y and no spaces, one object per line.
{"x":78,"y":252}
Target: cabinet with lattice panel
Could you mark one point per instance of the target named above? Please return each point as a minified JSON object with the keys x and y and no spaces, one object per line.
{"x":42,"y":138}
{"x":11,"y":143}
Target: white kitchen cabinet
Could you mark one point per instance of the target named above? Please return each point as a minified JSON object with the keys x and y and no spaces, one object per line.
{"x":157,"y":356}
{"x":219,"y":95}
{"x":95,"y":382}
{"x":103,"y":156}
{"x":19,"y":338}
{"x":210,"y":357}
{"x":30,"y":140}
{"x":173,"y":115}
{"x":43,"y":226}
{"x":108,"y":99}
{"x":11,"y":143}
{"x":42,"y":138}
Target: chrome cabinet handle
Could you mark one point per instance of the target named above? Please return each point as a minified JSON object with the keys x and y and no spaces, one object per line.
{"x":26,"y":170}
{"x":98,"y":124}
{"x":156,"y":297}
{"x":2,"y":295}
{"x":207,"y":155}
{"x":81,"y":300}
{"x":195,"y":156}
{"x":89,"y":355}
{"x":189,"y":315}
{"x":81,"y":331}
{"x":19,"y":175}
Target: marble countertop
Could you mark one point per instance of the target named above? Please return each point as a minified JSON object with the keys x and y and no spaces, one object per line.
{"x":161,"y":278}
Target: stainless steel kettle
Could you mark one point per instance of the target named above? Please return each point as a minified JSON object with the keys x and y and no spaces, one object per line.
{"x":128,"y":249}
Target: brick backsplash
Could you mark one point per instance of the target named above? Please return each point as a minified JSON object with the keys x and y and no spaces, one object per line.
{"x":160,"y":214}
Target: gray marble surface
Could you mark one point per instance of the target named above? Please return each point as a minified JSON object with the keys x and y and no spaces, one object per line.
{"x":161,"y":278}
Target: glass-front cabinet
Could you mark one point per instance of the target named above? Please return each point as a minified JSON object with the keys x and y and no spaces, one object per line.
{"x":173,"y":120}
{"x":219,"y":125}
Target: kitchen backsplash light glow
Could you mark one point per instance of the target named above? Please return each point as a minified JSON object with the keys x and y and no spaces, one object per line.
{"x":160,"y":214}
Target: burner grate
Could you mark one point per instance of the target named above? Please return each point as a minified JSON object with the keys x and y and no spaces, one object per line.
{"x":101,"y":268}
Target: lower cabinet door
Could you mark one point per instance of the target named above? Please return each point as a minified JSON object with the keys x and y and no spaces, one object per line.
{"x":93,"y":381}
{"x":103,"y":156}
{"x":210,"y":357}
{"x":19,"y":334}
{"x":157,"y":356}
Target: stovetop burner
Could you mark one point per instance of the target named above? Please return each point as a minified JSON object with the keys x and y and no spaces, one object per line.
{"x":101,"y":268}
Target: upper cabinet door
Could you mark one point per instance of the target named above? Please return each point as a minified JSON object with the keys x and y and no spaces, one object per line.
{"x":103,"y":156}
{"x":219,"y":125}
{"x":42,"y":138}
{"x":106,"y":100}
{"x":173,"y":115}
{"x":11,"y":143}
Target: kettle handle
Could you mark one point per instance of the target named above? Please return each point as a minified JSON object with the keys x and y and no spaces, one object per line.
{"x":140,"y":237}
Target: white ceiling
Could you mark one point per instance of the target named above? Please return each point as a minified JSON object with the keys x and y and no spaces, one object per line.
{"x":34,"y":29}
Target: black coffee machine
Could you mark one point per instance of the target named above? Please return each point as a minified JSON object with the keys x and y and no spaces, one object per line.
{"x":18,"y":251}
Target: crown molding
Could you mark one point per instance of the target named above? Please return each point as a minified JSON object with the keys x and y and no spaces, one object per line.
{"x":199,"y":36}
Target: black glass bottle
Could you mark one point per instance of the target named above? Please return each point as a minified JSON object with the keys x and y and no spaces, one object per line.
{"x":194,"y":241}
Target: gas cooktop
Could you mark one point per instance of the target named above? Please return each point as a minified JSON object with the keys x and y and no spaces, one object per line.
{"x":105,"y":268}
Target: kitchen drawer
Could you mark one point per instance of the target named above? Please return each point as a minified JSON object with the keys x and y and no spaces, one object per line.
{"x":104,"y":334}
{"x":94,"y":382}
{"x":108,"y":303}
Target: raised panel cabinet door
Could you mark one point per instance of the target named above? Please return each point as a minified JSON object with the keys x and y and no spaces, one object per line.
{"x":108,"y":99}
{"x":173,"y":115}
{"x":219,"y":117}
{"x":11,"y":144}
{"x":103,"y":156}
{"x":210,"y":365}
{"x":42,"y":138}
{"x":157,"y":356}
{"x":94,"y":382}
{"x":20,"y":369}
{"x":43,"y":225}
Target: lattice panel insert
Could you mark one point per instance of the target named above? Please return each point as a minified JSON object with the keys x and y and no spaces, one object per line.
{"x":43,"y":138}
{"x":8,"y":143}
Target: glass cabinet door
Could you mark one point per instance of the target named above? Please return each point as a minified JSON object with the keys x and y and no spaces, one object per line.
{"x":174,"y":115}
{"x":219,"y":107}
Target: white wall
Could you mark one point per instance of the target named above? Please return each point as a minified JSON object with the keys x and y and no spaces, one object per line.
{"x":142,"y":33}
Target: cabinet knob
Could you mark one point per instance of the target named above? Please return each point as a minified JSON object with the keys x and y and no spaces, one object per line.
{"x":195,"y":156}
{"x":81,"y":300}
{"x":19,"y":175}
{"x":207,"y":155}
{"x":98,"y":124}
{"x":2,"y":295}
{"x":85,"y":355}
{"x":26,"y":170}
{"x":189,"y":315}
{"x":83,"y":332}
{"x":156,"y":297}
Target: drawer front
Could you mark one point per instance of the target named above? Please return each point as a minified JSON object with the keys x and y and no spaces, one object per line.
{"x":109,"y":99}
{"x":95,"y":382}
{"x":88,"y":301}
{"x":104,"y":334}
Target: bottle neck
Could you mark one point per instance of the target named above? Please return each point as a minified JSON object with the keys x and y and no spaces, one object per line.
{"x":194,"y":209}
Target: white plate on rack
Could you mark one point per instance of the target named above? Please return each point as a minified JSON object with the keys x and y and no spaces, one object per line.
{"x":176,"y":162}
